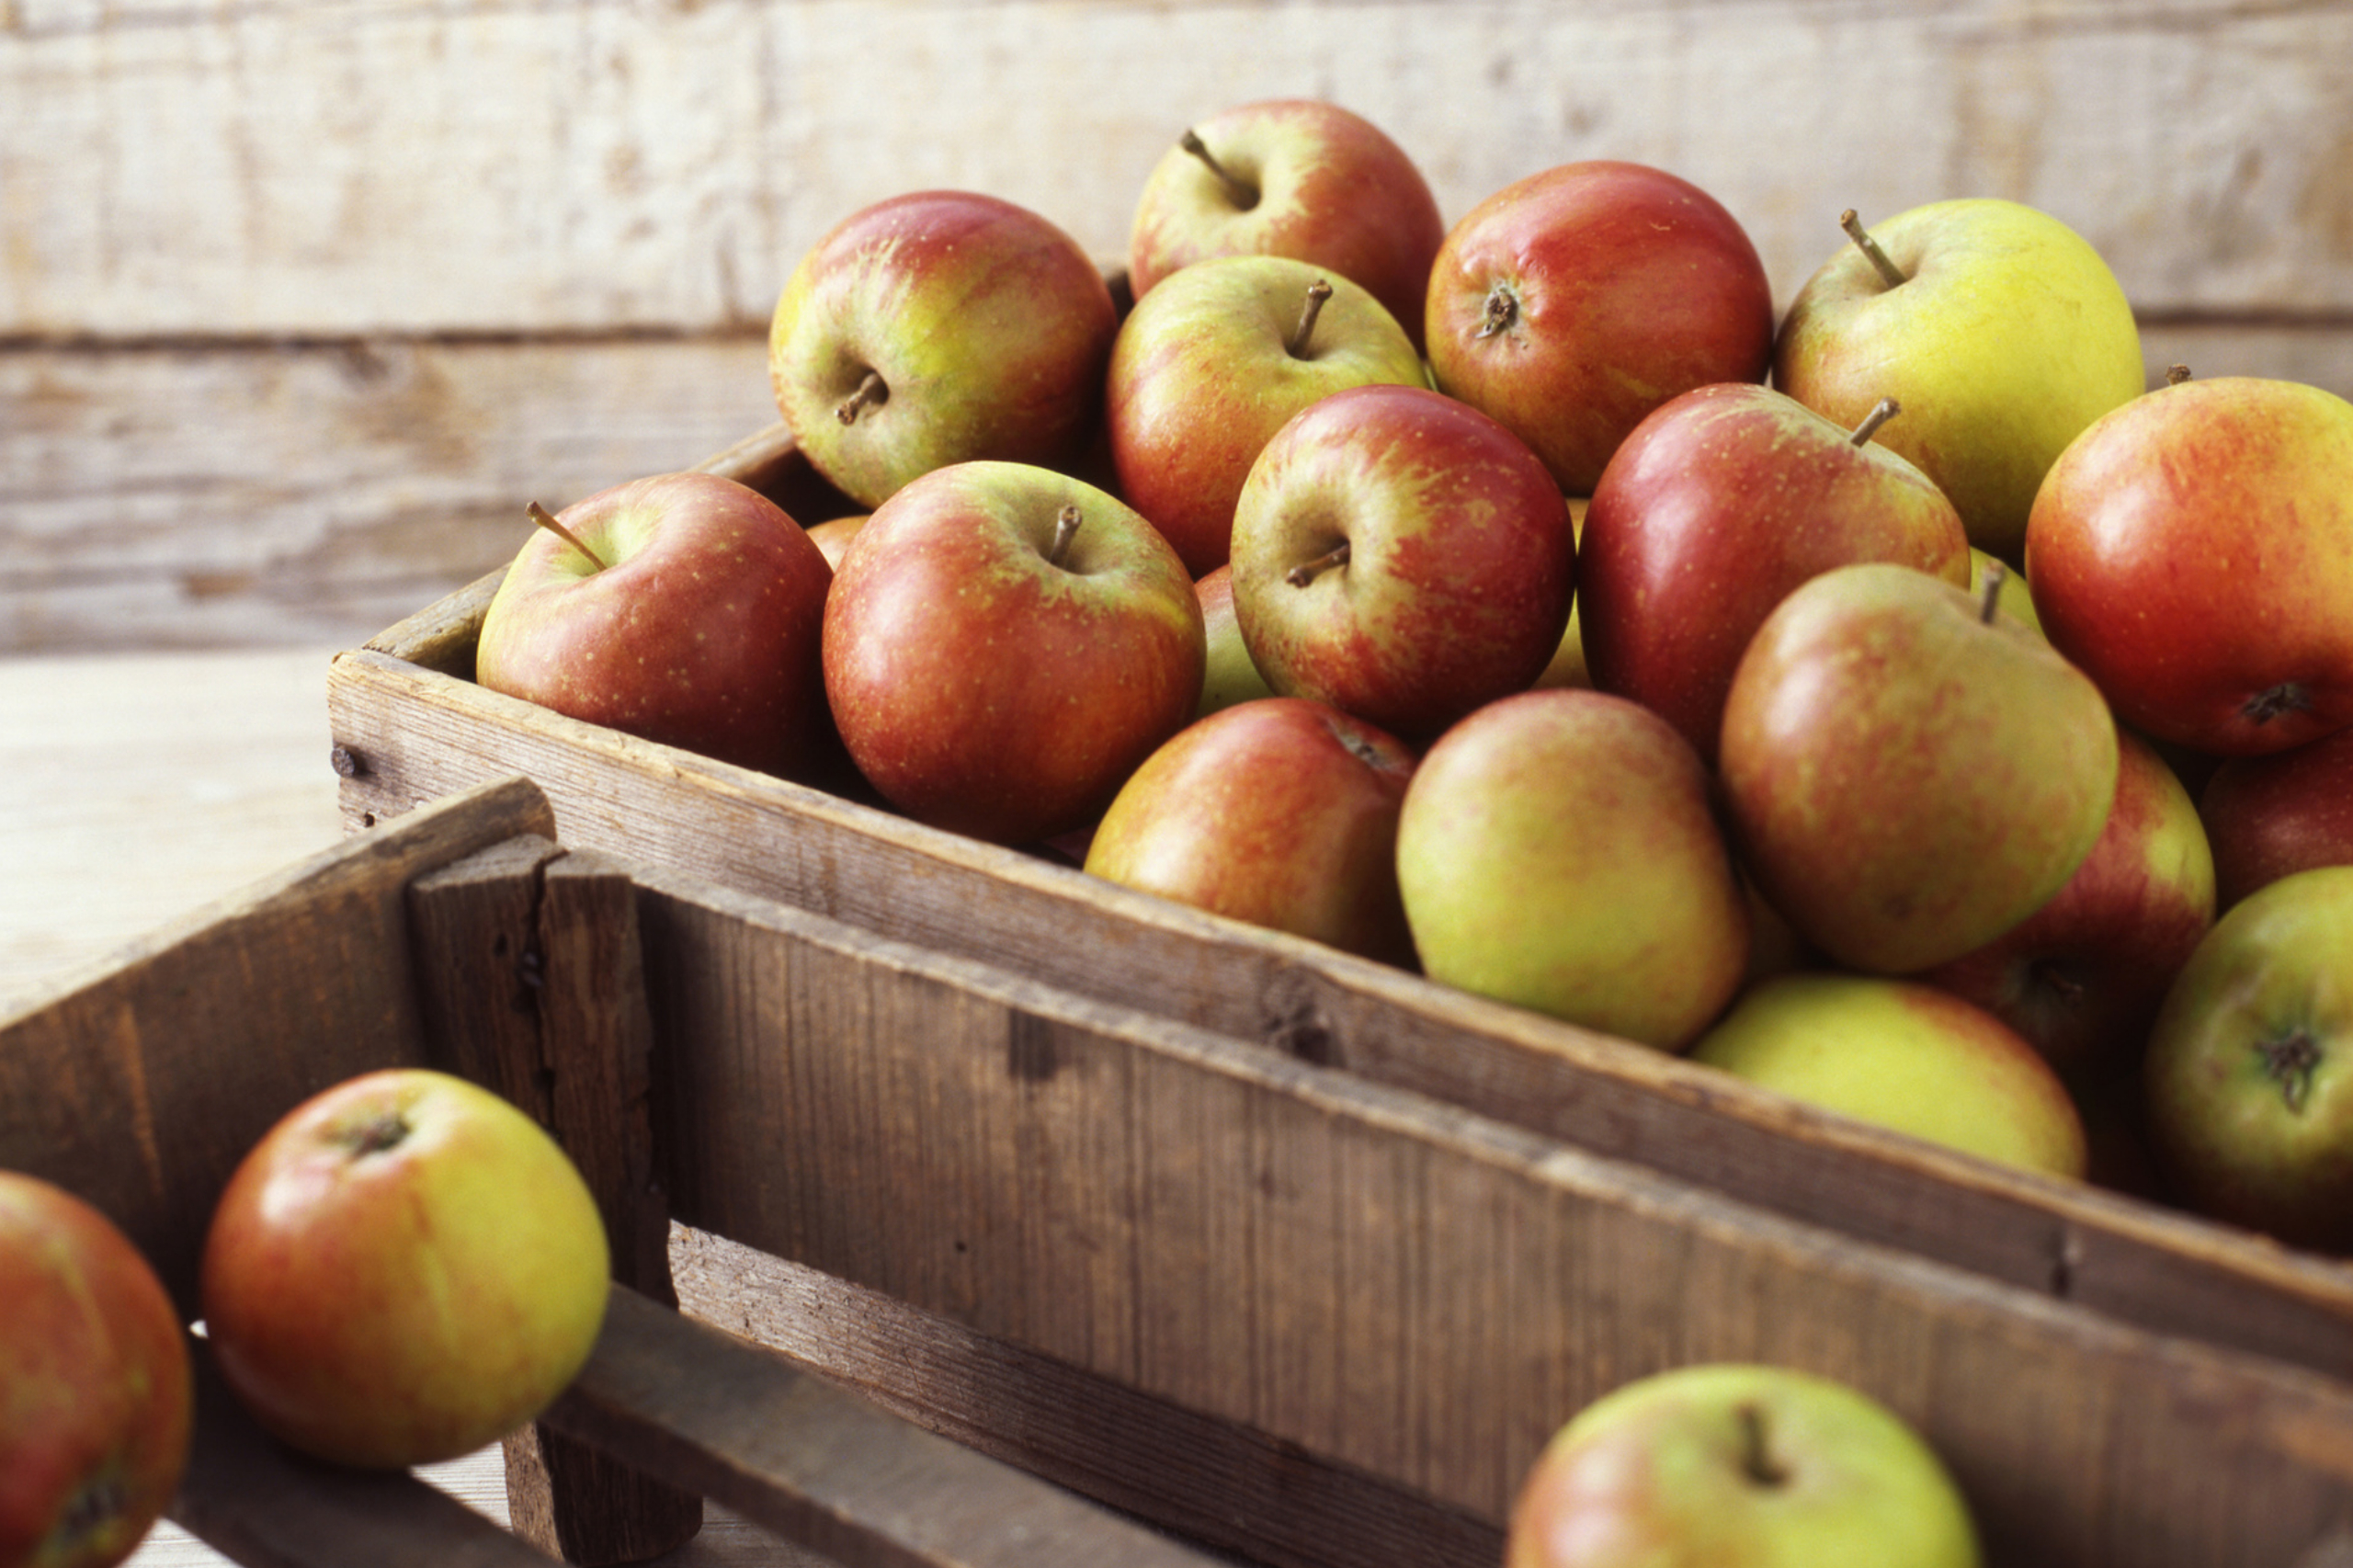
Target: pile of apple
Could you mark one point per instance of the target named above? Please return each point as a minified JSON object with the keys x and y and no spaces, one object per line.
{"x":1879,"y":702}
{"x":403,"y":1268}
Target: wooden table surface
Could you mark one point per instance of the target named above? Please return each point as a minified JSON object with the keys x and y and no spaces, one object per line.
{"x":136,"y":788}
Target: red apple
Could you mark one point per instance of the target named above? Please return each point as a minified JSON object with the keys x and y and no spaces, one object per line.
{"x":2188,"y":552}
{"x":1573,"y":303}
{"x":1209,"y":365}
{"x":683,"y":609}
{"x":1280,"y":812}
{"x":1231,"y":675}
{"x":403,"y":1268}
{"x":934,"y":328}
{"x":95,"y":1394}
{"x":2082,"y":977}
{"x":1718,"y":504}
{"x":1400,"y":555}
{"x":1004,"y":645}
{"x":1300,"y":177}
{"x":2268,"y":816}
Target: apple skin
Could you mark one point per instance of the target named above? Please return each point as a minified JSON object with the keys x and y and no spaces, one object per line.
{"x":95,"y":1391}
{"x":1906,"y":1056}
{"x":700,"y":631}
{"x":1737,"y":1465}
{"x":832,"y":537}
{"x":1231,"y":675}
{"x":1203,"y":373}
{"x":403,"y":1268}
{"x":1908,"y":779}
{"x":1331,"y":188}
{"x":2082,"y":977}
{"x":2267,"y":816}
{"x":1280,"y":812}
{"x":1557,"y":851}
{"x":2188,"y":552}
{"x":1462,"y":559}
{"x":1618,"y":286}
{"x":1718,"y":505}
{"x":988,"y":326}
{"x":2250,"y":1067}
{"x":982,"y":687}
{"x":1567,"y":666}
{"x":2007,"y":338}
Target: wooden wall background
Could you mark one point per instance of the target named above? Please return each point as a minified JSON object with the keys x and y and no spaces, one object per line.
{"x":301,"y":303}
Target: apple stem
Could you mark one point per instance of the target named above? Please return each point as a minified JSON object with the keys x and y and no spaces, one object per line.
{"x":1317,"y":293}
{"x":1065,"y":529}
{"x":546,"y":519}
{"x":871,"y":393}
{"x":1882,"y":412}
{"x":1989,"y":596}
{"x":2288,"y":697}
{"x":2176,"y":374}
{"x":2292,"y":1063}
{"x":1501,"y":310}
{"x":1870,"y":247}
{"x":1301,"y":575}
{"x":376,"y":1134}
{"x":1243,"y":194}
{"x":1758,"y":1464}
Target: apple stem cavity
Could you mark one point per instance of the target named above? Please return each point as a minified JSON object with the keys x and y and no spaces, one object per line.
{"x":1755,"y":1462}
{"x":1887,"y":269}
{"x":1882,"y":412}
{"x":387,"y":1129}
{"x":871,"y":393}
{"x":2288,"y":697}
{"x":1307,"y":572}
{"x":2291,"y":1064}
{"x":1989,"y":596}
{"x":1502,"y":308}
{"x":547,"y":520}
{"x":1317,"y":293}
{"x":1065,"y":529}
{"x":1240,"y":191}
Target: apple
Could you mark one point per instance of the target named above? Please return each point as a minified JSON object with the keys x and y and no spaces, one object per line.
{"x":1999,"y":329}
{"x":1718,"y":504}
{"x":832,"y":537}
{"x":1737,"y":1465}
{"x":1300,"y":177}
{"x":1567,"y":667}
{"x":403,"y":1268}
{"x":1903,"y":1055}
{"x":1280,"y":812}
{"x":95,"y":1393}
{"x":1909,"y":774}
{"x":1402,"y":556}
{"x":2250,"y":1097}
{"x":1557,"y":851}
{"x":2082,"y":977}
{"x":2188,"y":552}
{"x":1571,"y":304}
{"x":1003,"y":644}
{"x":1229,"y":675}
{"x":681,"y":607}
{"x":937,"y":327}
{"x":2291,"y":810}
{"x":1213,"y":362}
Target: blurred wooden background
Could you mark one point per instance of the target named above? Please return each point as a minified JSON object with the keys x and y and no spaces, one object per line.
{"x":300,"y":304}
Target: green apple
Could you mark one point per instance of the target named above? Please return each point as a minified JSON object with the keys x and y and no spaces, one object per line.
{"x":1734,"y":1465}
{"x":1557,"y":851}
{"x":1231,"y":675}
{"x":2000,"y":330}
{"x":1910,"y":775}
{"x":1904,"y":1056}
{"x":2250,"y":1067}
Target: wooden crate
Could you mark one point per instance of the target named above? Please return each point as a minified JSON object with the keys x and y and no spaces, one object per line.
{"x":1285,"y":1313}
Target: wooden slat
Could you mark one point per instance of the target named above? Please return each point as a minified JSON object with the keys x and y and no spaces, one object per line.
{"x":744,"y":1427}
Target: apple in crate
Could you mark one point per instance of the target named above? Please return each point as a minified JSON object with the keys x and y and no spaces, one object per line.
{"x":681,"y":607}
{"x":2249,"y":1088}
{"x":1909,"y":774}
{"x":1571,"y":304}
{"x":403,"y":1268}
{"x":2291,"y":810}
{"x":1402,"y":556}
{"x":1301,"y":178}
{"x":2190,"y":552}
{"x":2000,"y":330}
{"x":938,"y":327}
{"x":1734,"y":1465}
{"x":1558,"y":851}
{"x":1718,"y":505}
{"x":1003,"y":644}
{"x":1280,"y":812}
{"x":1213,"y":362}
{"x":96,"y":1395}
{"x":1232,"y":676}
